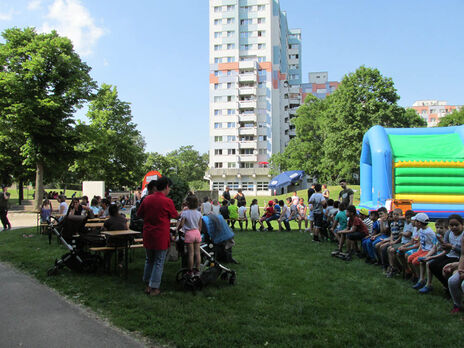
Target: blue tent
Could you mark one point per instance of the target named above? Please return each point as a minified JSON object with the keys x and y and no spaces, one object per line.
{"x":286,"y":178}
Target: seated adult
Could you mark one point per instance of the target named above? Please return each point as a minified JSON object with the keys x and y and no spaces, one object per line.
{"x":76,"y":208}
{"x":63,"y":205}
{"x":94,"y":207}
{"x":104,"y":212}
{"x":116,"y":221}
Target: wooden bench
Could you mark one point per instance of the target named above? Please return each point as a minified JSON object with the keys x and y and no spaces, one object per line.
{"x":98,"y":249}
{"x":138,"y":240}
{"x":136,"y":246}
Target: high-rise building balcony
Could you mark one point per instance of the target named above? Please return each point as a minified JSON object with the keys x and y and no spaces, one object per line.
{"x":247,"y":91}
{"x":247,"y":77}
{"x":250,"y":103}
{"x":248,"y":158}
{"x":248,"y":145}
{"x":251,"y":64}
{"x":248,"y":117}
{"x":248,"y":131}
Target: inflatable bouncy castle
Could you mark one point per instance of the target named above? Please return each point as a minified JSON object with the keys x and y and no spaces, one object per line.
{"x":424,"y":166}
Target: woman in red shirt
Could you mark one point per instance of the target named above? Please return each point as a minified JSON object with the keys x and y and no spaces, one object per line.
{"x":157,"y":210}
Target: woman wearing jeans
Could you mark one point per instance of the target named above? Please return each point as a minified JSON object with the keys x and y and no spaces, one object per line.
{"x":157,"y":211}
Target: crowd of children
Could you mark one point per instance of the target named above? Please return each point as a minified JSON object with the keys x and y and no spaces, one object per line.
{"x":408,"y":246}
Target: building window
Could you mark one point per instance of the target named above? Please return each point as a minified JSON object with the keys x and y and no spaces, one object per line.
{"x":262,"y":151}
{"x":216,"y":85}
{"x":262,"y":138}
{"x":230,"y":33}
{"x":233,"y":185}
{"x":246,"y":151}
{"x":217,"y":21}
{"x":217,"y":164}
{"x":230,"y":98}
{"x":261,"y":7}
{"x":248,"y":186}
{"x":245,"y":21}
{"x":246,"y":165}
{"x":230,"y":7}
{"x":230,"y":46}
{"x":217,"y":34}
{"x":217,"y":47}
{"x":261,"y":46}
{"x":245,"y":34}
{"x":218,"y":99}
{"x":231,"y":151}
{"x":217,"y":9}
{"x":230,"y":124}
{"x":231,"y":165}
{"x":230,"y":59}
{"x":261,"y":59}
{"x":247,"y":138}
{"x":230,"y":20}
{"x":229,"y":85}
{"x":261,"y":20}
{"x":261,"y":33}
{"x":262,"y":185}
{"x":218,"y":186}
{"x":217,"y":60}
{"x":231,"y":138}
{"x":217,"y":139}
{"x":218,"y":151}
{"x":217,"y":112}
{"x":218,"y":125}
{"x":230,"y":111}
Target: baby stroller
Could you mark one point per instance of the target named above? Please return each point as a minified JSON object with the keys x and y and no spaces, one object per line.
{"x":215,"y":234}
{"x":76,"y":259}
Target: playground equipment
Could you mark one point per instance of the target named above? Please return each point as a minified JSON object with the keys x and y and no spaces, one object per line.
{"x":424,"y":166}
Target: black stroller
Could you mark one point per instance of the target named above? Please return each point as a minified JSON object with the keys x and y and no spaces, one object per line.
{"x":71,"y":233}
{"x":215,"y":235}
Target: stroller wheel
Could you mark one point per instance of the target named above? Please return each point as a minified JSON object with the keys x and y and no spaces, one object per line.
{"x":232,"y":278}
{"x":180,"y":274}
{"x":224,"y":276}
{"x":52,"y":271}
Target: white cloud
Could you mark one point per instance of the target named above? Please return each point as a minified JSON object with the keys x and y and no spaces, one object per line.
{"x":34,"y":5}
{"x":71,"y":19}
{"x":6,"y":16}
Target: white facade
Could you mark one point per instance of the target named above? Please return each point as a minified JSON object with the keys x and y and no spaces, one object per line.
{"x":255,"y":64}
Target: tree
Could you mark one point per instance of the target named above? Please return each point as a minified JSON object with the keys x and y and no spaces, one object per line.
{"x":111,"y":148}
{"x":188,"y":163}
{"x":42,"y":82}
{"x":329,"y":132}
{"x":456,"y":118}
{"x":159,"y":162}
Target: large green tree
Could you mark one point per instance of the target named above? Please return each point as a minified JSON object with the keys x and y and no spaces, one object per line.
{"x":329,"y":132}
{"x":110,"y":148}
{"x":456,"y":118}
{"x":42,"y":82}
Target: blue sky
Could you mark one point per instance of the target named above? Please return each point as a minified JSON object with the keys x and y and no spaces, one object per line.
{"x":156,"y":52}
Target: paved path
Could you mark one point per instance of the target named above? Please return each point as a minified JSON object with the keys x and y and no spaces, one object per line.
{"x":32,"y":315}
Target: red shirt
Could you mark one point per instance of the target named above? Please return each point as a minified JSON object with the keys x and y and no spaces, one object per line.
{"x":269,"y":211}
{"x":359,"y":225}
{"x":157,"y":210}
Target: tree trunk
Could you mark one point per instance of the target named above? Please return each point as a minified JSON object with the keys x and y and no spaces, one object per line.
{"x":38,"y":186}
{"x":20,"y":191}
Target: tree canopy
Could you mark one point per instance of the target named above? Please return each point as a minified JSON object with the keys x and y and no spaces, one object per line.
{"x":110,"y":148}
{"x":456,"y":118}
{"x":42,"y":82}
{"x":329,"y":132}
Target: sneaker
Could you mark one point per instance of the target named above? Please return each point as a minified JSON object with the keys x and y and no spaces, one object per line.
{"x":335,"y":253}
{"x":426,"y":289}
{"x":456,"y":310}
{"x":418,"y":285}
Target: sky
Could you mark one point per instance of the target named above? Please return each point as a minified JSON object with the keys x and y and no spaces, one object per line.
{"x":156,"y":52}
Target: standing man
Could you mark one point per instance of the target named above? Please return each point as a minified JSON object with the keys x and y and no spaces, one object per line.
{"x":4,"y":201}
{"x":226,"y":195}
{"x":157,"y":210}
{"x":311,"y":191}
{"x":346,"y":194}
{"x":316,"y":207}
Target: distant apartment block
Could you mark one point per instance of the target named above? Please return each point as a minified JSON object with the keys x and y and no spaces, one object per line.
{"x":318,"y":85}
{"x":255,"y":78}
{"x":432,"y":110}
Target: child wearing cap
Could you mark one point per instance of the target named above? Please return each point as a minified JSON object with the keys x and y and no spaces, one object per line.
{"x":427,"y":240}
{"x":364,"y":216}
{"x":269,"y":211}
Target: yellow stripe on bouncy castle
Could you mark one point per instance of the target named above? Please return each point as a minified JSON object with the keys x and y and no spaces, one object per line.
{"x":429,"y":164}
{"x":417,"y":198}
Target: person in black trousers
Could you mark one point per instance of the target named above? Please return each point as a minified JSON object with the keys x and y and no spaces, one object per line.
{"x":4,"y":200}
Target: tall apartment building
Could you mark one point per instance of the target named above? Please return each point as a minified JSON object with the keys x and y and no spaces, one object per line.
{"x":432,"y":110}
{"x":318,"y":85}
{"x":255,"y":77}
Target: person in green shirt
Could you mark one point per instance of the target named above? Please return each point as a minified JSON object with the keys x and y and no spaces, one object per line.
{"x":233,"y":213}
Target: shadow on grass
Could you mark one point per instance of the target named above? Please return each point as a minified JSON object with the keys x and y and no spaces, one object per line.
{"x":289,"y":293}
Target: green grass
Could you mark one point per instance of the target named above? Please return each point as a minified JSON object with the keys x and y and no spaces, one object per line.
{"x":14,"y":195}
{"x":289,"y":293}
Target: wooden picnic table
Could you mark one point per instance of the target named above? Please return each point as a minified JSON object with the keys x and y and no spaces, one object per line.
{"x":127,"y":236}
{"x":94,"y":224}
{"x":97,"y":219}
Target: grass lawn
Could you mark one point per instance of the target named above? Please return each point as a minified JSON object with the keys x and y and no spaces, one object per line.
{"x":289,"y":293}
{"x":28,"y":194}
